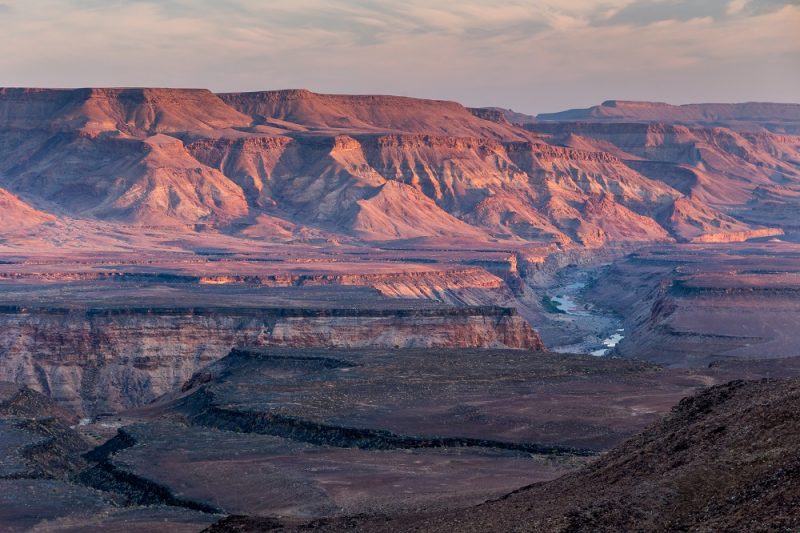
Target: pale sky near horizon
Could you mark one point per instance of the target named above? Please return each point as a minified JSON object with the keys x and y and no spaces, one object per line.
{"x":531,"y":56}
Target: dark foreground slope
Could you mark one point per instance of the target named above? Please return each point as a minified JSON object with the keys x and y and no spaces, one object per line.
{"x":723,"y":460}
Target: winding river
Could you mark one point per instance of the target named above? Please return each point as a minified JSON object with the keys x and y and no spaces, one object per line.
{"x":597,"y":331}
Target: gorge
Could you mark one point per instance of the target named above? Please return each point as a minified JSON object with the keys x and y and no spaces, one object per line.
{"x":289,"y":309}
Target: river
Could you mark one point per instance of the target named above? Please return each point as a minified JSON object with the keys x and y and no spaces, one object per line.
{"x":592,"y":330}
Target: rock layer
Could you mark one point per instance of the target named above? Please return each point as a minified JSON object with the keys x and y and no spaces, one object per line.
{"x":102,"y":360}
{"x":295,"y":165}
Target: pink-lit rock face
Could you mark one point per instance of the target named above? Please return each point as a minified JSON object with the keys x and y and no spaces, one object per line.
{"x":287,"y":166}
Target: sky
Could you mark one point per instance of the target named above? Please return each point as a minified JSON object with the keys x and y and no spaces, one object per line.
{"x":531,"y":56}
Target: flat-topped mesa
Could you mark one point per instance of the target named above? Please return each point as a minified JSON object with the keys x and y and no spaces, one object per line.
{"x":132,"y":111}
{"x":253,"y":101}
{"x":772,"y":116}
{"x":286,"y":95}
{"x":367,"y":113}
{"x":664,"y":112}
{"x":642,"y":134}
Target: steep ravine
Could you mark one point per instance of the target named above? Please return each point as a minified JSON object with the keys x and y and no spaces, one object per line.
{"x":587,"y":328}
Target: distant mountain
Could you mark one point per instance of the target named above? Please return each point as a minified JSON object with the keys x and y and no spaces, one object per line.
{"x":289,"y":165}
{"x":754,"y":176}
{"x":779,"y":118}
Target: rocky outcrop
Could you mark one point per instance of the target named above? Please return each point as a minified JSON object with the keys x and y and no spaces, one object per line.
{"x":489,"y":113}
{"x":739,"y":236}
{"x":100,"y":360}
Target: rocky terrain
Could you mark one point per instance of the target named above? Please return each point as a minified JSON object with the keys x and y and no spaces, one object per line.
{"x":722,"y":460}
{"x":324,"y":433}
{"x":751,"y":176}
{"x":301,"y":307}
{"x":47,"y":483}
{"x":97,"y":351}
{"x":294,"y":165}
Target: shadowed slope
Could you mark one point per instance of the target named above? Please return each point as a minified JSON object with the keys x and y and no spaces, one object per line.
{"x":14,"y":213}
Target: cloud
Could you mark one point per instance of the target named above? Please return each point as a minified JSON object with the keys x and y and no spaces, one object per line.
{"x":645,"y":12}
{"x":532,"y":55}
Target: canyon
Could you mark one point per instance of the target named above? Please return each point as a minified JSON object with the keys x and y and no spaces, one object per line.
{"x":308,"y":309}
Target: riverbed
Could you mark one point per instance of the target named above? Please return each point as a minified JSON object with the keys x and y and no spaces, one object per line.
{"x":592,"y":330}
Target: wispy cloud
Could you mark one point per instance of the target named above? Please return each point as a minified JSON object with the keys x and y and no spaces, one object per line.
{"x":532,"y":55}
{"x":644,"y":12}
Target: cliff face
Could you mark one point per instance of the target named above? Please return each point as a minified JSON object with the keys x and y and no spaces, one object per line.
{"x":102,"y":360}
{"x":468,"y":285}
{"x":409,"y":185}
{"x":739,"y":236}
{"x":295,"y":165}
{"x":751,"y":175}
